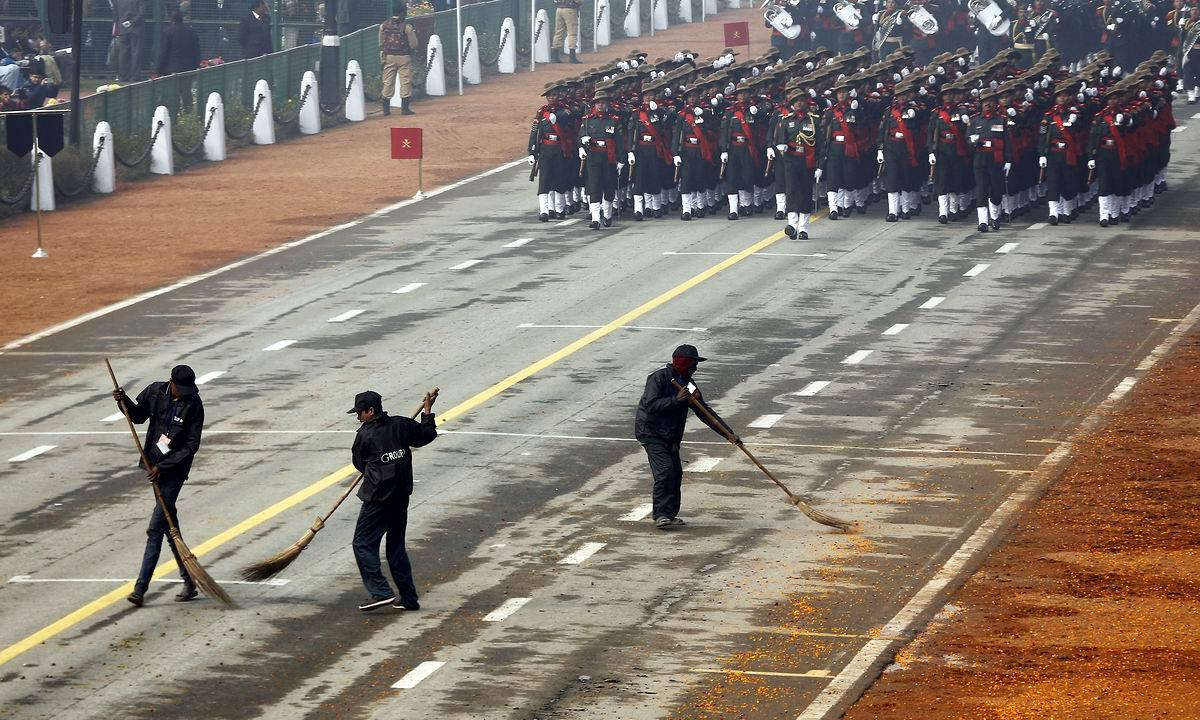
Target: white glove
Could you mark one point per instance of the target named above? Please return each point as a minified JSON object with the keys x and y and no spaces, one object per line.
{"x":552,"y":118}
{"x":531,"y":160}
{"x":697,"y":111}
{"x":770,"y":153}
{"x":878,"y":86}
{"x":781,"y":147}
{"x":817,"y":175}
{"x":853,"y":104}
{"x":1111,"y":26}
{"x":1120,"y":118}
{"x":724,"y":157}
{"x":1012,"y":112}
{"x":126,"y":24}
{"x":1079,"y":97}
{"x":753,"y":109}
{"x":1042,"y":161}
{"x":910,"y":114}
{"x":1163,"y":72}
{"x":1071,"y":119}
{"x":923,"y":92}
{"x":714,"y":101}
{"x":678,"y":161}
{"x":1007,"y":167}
{"x":821,"y":9}
{"x":1120,"y":20}
{"x":932,"y":159}
{"x":932,"y":80}
{"x":632,"y":159}
{"x":583,"y":153}
{"x":699,"y":121}
{"x":875,"y":18}
{"x":1091,"y":164}
{"x":974,"y":139}
{"x":585,"y":139}
{"x":879,"y":157}
{"x":897,"y":77}
{"x":1028,"y":96}
{"x":966,"y":119}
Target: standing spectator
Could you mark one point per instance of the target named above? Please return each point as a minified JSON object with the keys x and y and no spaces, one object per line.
{"x":566,"y":26}
{"x":180,"y":53}
{"x":254,"y":33}
{"x":397,"y":43}
{"x":129,"y":22}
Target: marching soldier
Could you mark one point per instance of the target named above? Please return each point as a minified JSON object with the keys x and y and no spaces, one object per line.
{"x":949,"y":154}
{"x":599,"y":147}
{"x":649,"y":154}
{"x":840,"y":151}
{"x":898,"y":154}
{"x":693,"y":157}
{"x":796,"y":149}
{"x":992,"y":160}
{"x":1189,"y":53}
{"x":740,"y":156}
{"x":1060,"y":151}
{"x":549,"y":154}
{"x":1109,"y":157}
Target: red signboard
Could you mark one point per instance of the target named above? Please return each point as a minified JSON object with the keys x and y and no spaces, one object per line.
{"x":737,"y":33}
{"x":406,"y":144}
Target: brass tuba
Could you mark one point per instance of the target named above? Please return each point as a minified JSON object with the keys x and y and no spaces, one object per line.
{"x":780,"y":19}
{"x":988,"y":14}
{"x":848,"y":13}
{"x":922,"y":19}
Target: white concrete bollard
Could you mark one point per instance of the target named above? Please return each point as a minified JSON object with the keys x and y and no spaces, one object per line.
{"x":435,"y":75}
{"x":162,"y":153}
{"x":658,"y":14}
{"x":506,"y":62}
{"x":104,"y":180}
{"x":710,"y":7}
{"x":310,"y":111}
{"x":735,"y":4}
{"x":472,"y":72}
{"x":356,"y":101}
{"x":603,"y":26}
{"x":543,"y":31}
{"x":263,"y":129}
{"x":685,"y":11}
{"x":41,"y":197}
{"x":633,"y":18}
{"x":214,"y":141}
{"x":578,"y":37}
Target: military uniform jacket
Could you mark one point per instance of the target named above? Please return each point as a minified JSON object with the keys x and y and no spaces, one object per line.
{"x":992,"y":139}
{"x":545,"y":135}
{"x":899,"y":132}
{"x":651,"y":129}
{"x":839,"y":132}
{"x":799,"y":132}
{"x":1108,"y":134}
{"x":738,"y":128}
{"x":602,"y":133}
{"x":691,"y":133}
{"x":1057,"y":134}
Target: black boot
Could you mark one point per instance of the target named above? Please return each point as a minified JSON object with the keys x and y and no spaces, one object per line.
{"x":188,"y":592}
{"x":574,"y":60}
{"x":406,"y":106}
{"x":387,"y":106}
{"x":554,"y":56}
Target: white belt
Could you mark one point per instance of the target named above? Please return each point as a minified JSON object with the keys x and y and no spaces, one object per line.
{"x":987,"y":143}
{"x":647,"y":138}
{"x":840,"y":138}
{"x":600,"y":143}
{"x":899,"y":135}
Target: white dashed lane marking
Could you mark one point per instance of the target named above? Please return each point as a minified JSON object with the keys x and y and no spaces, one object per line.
{"x":758,"y":254}
{"x":623,"y":327}
{"x":976,"y":270}
{"x":112,"y":418}
{"x":565,"y":223}
{"x":1037,"y":226}
{"x":703,"y":464}
{"x":583,"y":553}
{"x":1006,"y":248}
{"x":931,"y":302}
{"x":465,"y":264}
{"x":765,"y":421}
{"x":209,"y":376}
{"x":31,"y":453}
{"x":638,"y":513}
{"x":813,"y":388}
{"x":896,"y":329}
{"x":518,"y":242}
{"x":278,"y":345}
{"x":857,"y":357}
{"x":1180,"y":129}
{"x":507,"y":608}
{"x":347,"y":315}
{"x":417,"y":674}
{"x":407,"y":288}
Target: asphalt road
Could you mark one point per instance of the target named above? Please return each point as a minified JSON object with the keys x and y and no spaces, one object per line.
{"x":546,"y":592}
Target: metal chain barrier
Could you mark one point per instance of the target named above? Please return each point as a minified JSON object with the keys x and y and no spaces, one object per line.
{"x":537,"y":33}
{"x":87,"y":180}
{"x":299,"y":106}
{"x":250,"y":125}
{"x":462,"y":61}
{"x":600,"y":15}
{"x":628,"y":9}
{"x":145,"y":153}
{"x":26,"y":186}
{"x":334,"y":110}
{"x":212,"y":115}
{"x":503,"y":42}
{"x":432,"y":57}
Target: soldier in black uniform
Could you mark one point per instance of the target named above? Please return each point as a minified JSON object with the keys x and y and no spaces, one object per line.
{"x":950,"y":153}
{"x":796,"y":150}
{"x":1109,"y":156}
{"x":382,"y":452}
{"x":549,"y":149}
{"x":991,"y":162}
{"x":649,"y":147}
{"x":693,"y":155}
{"x":739,"y":155}
{"x":898,"y":152}
{"x":1060,"y":153}
{"x":839,"y":151}
{"x":600,"y":144}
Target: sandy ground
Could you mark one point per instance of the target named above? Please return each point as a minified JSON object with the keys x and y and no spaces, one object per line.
{"x":1089,"y":610}
{"x":153,"y":232}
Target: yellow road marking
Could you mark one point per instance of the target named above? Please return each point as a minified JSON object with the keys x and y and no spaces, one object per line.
{"x":718,"y":671}
{"x":337,"y":476}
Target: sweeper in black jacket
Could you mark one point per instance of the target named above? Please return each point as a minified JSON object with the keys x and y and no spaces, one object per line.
{"x":661,"y":416}
{"x":382,"y":453}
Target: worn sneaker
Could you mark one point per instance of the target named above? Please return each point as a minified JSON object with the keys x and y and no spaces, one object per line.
{"x":187,"y":593}
{"x":375,"y":603}
{"x":399,"y":605}
{"x":662,"y":523}
{"x":676,"y":522}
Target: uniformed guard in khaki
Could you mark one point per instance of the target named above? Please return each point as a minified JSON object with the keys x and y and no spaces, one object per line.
{"x":397,"y":42}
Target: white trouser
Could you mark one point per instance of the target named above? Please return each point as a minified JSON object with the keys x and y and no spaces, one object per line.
{"x":780,"y":202}
{"x":595,"y":207}
{"x":638,"y":204}
{"x":733,"y":202}
{"x":893,"y":203}
{"x":983,"y":215}
{"x":994,"y":210}
{"x":1054,"y":211}
{"x":544,"y":203}
{"x":943,"y":205}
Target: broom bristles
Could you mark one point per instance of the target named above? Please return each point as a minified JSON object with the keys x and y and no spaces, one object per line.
{"x":277,"y":563}
{"x":200,"y":577}
{"x":821,"y":517}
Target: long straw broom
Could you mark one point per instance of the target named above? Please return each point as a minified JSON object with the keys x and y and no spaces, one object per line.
{"x":812,"y":513}
{"x":200,"y":577}
{"x":279,"y":562}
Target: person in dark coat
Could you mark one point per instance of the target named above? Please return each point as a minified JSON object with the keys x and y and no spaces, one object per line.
{"x":659,"y":424}
{"x":129,"y":17}
{"x":254,"y":34}
{"x":176,"y":417}
{"x":180,"y":52}
{"x":382,"y":452}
